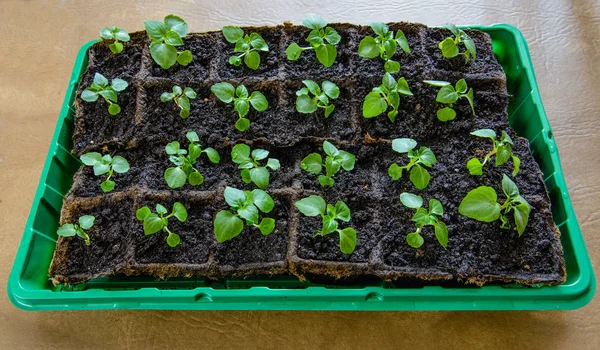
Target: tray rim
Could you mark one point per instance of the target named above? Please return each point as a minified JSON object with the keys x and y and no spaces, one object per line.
{"x":560,"y":297}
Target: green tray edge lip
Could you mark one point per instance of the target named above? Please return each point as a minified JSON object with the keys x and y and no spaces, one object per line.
{"x":567,"y":297}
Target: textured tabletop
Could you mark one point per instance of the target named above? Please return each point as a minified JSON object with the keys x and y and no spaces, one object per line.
{"x":37,"y":52}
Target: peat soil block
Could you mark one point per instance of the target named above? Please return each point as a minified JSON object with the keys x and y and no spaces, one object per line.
{"x":477,"y":252}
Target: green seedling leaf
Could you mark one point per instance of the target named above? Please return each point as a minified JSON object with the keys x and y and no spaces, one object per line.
{"x":450,"y":46}
{"x":502,"y":150}
{"x":100,"y":87}
{"x":253,"y":171}
{"x":227,"y":226}
{"x":334,"y":161}
{"x":311,"y":206}
{"x":164,"y":39}
{"x":384,"y":96}
{"x":414,"y":240}
{"x":418,"y":160}
{"x":480,"y":204}
{"x":266,"y":226}
{"x":410,"y":200}
{"x":322,"y":39}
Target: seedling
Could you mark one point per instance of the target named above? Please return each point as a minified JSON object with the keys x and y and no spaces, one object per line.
{"x":181,"y":98}
{"x":184,"y":162}
{"x":108,"y":92}
{"x":241,"y":101}
{"x":85,"y":223}
{"x":418,"y":160}
{"x":384,"y":96}
{"x":481,"y":204}
{"x":312,"y":97}
{"x":244,"y":205}
{"x":165,"y":36}
{"x":384,"y":46}
{"x":449,"y":95}
{"x":154,"y":222}
{"x":247,"y":44}
{"x":502,"y":149}
{"x":322,"y":39}
{"x":335,"y":160}
{"x":423,"y":218}
{"x":104,"y":164}
{"x":252,"y":171}
{"x":119,"y":35}
{"x":449,"y":46}
{"x":315,"y":205}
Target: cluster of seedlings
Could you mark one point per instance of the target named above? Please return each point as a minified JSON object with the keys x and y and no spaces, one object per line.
{"x":246,"y":207}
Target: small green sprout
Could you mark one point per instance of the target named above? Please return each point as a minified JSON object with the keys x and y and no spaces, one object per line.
{"x":103,"y":164}
{"x":450,"y":48}
{"x":305,"y":103}
{"x":384,"y":46}
{"x":108,"y":92}
{"x":181,"y":98}
{"x":252,"y":171}
{"x":185,"y":160}
{"x":315,"y":205}
{"x":85,"y":223}
{"x":165,"y":36}
{"x":449,"y":95}
{"x":336,"y":159}
{"x":387,"y":94}
{"x":502,"y":149}
{"x":241,"y":101}
{"x":481,"y":204}
{"x":418,"y":160}
{"x":247,"y":44}
{"x":322,"y":39}
{"x":154,"y":222}
{"x":424,"y":218}
{"x":118,"y":34}
{"x":245,"y":205}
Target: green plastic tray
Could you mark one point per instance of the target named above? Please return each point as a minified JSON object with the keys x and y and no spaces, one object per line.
{"x":30,"y":289}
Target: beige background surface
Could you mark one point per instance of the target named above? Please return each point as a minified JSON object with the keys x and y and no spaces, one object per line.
{"x":38,"y":44}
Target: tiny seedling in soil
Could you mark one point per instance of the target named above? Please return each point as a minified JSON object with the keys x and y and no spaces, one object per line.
{"x":449,"y":45}
{"x":322,"y":39}
{"x":449,"y":95}
{"x":418,"y":160}
{"x":481,"y":204}
{"x":248,"y":45}
{"x":184,"y":162}
{"x":101,"y":87}
{"x":423,"y":218}
{"x":85,"y":223}
{"x":181,"y":98}
{"x":335,"y":160}
{"x":103,"y":164}
{"x":154,"y":222}
{"x":312,"y":97}
{"x":252,"y":171}
{"x":384,"y":46}
{"x":118,"y":35}
{"x":385,"y":95}
{"x":502,"y":150}
{"x":315,"y":205}
{"x":165,"y":36}
{"x":244,"y":205}
{"x":241,"y":101}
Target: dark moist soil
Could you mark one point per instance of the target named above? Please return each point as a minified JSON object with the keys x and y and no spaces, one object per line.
{"x":110,"y":249}
{"x":251,"y":247}
{"x":196,"y":232}
{"x":125,"y":64}
{"x":202,"y":47}
{"x":95,"y":128}
{"x":86,"y":184}
{"x":269,"y":61}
